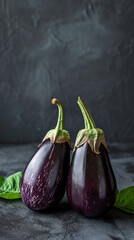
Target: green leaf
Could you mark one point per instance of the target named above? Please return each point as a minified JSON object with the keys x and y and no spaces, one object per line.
{"x":125,"y":200}
{"x":10,"y":186}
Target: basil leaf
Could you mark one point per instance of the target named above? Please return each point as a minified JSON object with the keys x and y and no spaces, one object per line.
{"x":10,"y":186}
{"x":125,"y":200}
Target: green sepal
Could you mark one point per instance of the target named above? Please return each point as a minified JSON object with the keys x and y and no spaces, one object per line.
{"x":94,"y":137}
{"x":59,"y":136}
{"x":91,"y":134}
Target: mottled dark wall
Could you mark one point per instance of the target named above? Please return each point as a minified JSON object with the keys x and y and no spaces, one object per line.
{"x":64,"y":49}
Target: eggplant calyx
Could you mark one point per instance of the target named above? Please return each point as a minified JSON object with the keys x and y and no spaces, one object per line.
{"x":91,"y":134}
{"x":60,"y":137}
{"x":94,"y":137}
{"x":59,"y":134}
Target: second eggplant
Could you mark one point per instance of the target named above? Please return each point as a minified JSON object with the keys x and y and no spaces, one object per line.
{"x":44,"y":179}
{"x":91,"y":187}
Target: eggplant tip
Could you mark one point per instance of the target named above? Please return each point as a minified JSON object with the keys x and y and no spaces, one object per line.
{"x":54,"y":100}
{"x":79,"y":99}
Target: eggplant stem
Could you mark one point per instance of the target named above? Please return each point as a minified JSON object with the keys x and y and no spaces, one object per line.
{"x":60,"y":121}
{"x":89,"y":122}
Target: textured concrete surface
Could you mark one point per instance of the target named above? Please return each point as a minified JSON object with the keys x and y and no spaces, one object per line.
{"x":18,"y":222}
{"x":64,"y":49}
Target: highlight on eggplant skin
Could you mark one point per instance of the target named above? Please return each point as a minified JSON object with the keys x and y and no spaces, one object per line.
{"x":44,"y":179}
{"x":45,"y":176}
{"x":91,"y":186}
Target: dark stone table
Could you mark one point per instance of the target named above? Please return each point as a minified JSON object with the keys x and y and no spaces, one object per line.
{"x":18,"y":222}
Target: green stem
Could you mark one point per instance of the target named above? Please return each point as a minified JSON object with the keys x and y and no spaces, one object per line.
{"x":84,"y":113}
{"x":89,"y":122}
{"x":60,"y":121}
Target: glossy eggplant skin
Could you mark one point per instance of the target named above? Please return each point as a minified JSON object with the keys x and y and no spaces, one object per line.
{"x":45,"y":176}
{"x":91,"y":187}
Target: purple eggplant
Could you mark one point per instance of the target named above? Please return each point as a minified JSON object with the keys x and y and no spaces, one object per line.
{"x":44,"y":179}
{"x":91,"y":186}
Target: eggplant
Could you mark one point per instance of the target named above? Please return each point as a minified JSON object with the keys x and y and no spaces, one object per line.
{"x":91,"y":186}
{"x":45,"y":176}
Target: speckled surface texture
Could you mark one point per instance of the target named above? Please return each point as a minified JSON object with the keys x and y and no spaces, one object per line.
{"x":64,"y":49}
{"x":18,"y":222}
{"x":43,"y":184}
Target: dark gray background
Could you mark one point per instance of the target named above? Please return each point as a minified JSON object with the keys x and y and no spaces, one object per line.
{"x":66,"y":48}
